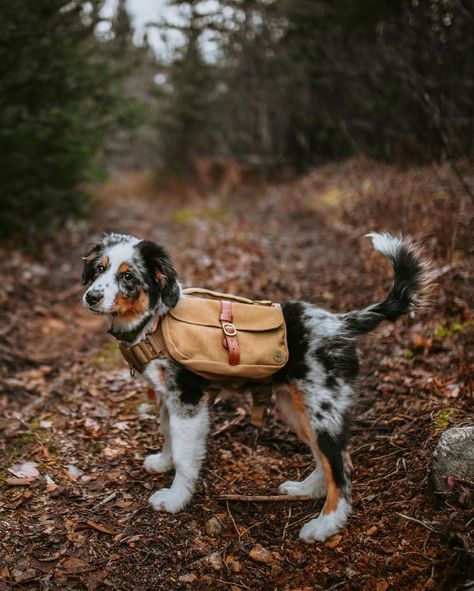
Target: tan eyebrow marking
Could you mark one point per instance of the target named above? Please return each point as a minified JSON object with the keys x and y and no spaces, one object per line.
{"x":105,"y":262}
{"x":124,"y":267}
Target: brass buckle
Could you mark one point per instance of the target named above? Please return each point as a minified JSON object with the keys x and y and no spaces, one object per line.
{"x":229,"y":329}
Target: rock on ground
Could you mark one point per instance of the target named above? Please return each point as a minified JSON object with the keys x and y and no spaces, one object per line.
{"x":454,"y":455}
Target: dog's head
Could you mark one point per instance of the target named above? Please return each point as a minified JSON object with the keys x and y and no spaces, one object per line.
{"x":129,"y":279}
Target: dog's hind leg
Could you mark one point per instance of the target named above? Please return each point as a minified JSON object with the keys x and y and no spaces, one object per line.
{"x":291,"y":406}
{"x":337,"y":508}
{"x":163,"y":461}
{"x":332,"y":473}
{"x":188,"y":441}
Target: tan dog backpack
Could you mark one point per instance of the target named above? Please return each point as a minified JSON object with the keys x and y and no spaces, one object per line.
{"x":220,"y":337}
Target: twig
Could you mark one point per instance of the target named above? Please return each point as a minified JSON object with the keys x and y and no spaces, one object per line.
{"x":232,"y":519}
{"x":261,"y":498}
{"x":419,"y":522}
{"x":104,"y":501}
{"x":392,"y":453}
{"x":285,"y":528}
{"x":233,"y":583}
{"x":228,"y":426}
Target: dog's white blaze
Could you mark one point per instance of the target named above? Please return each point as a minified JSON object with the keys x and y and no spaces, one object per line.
{"x":325,"y":526}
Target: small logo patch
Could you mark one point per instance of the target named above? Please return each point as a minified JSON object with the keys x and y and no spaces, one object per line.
{"x":278,"y":356}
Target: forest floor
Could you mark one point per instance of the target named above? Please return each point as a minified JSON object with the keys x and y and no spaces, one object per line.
{"x":73,"y":494}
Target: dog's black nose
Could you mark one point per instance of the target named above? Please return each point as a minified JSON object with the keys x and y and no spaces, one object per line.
{"x":93,"y":297}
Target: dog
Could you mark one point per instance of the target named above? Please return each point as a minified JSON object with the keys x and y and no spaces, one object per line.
{"x":133,"y":283}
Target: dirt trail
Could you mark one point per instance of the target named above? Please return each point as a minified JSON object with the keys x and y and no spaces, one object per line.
{"x":69,"y":401}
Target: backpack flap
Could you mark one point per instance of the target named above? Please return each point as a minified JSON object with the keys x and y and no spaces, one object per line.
{"x":198,"y":337}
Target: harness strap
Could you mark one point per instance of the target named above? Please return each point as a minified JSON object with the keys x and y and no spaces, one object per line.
{"x":261,"y":396}
{"x":151,"y":347}
{"x":230,"y":340}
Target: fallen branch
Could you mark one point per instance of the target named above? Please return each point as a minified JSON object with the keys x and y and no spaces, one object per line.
{"x":261,"y":498}
{"x":419,"y":522}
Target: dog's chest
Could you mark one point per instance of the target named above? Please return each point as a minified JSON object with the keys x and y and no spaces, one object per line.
{"x":156,"y":373}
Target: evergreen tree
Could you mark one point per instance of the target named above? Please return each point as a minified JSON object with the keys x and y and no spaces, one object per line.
{"x":55,"y":103}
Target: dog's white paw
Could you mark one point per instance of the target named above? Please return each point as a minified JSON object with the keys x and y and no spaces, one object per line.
{"x":157,"y":463}
{"x":293,"y":488}
{"x":166,"y":499}
{"x":325,"y":526}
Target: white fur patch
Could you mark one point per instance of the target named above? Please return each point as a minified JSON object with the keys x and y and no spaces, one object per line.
{"x":313,"y":485}
{"x":386,"y":243}
{"x":325,"y":526}
{"x":188,"y":448}
{"x":157,"y":463}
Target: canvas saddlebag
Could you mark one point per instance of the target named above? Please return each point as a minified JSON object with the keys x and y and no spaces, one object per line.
{"x":220,"y":336}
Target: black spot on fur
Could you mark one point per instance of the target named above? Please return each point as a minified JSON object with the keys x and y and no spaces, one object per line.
{"x":344,"y":433}
{"x":332,"y":449}
{"x":338,"y":356}
{"x":319,"y":416}
{"x":156,"y":259}
{"x":190,"y":385}
{"x":326,"y":406}
{"x":297,"y":337}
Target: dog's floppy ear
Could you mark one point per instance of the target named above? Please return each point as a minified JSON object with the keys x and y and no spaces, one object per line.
{"x":89,"y":259}
{"x":161,"y":274}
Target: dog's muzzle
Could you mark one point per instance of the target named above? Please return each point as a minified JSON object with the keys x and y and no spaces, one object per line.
{"x":93,"y":298}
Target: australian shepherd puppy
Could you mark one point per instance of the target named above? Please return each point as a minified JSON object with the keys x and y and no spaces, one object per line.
{"x":133,"y":282}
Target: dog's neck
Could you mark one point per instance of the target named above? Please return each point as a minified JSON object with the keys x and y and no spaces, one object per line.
{"x":132,"y":335}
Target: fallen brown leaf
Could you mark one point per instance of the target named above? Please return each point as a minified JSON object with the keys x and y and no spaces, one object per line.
{"x":99,"y":527}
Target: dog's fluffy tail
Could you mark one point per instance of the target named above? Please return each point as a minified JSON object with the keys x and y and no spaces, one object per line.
{"x":410,"y":288}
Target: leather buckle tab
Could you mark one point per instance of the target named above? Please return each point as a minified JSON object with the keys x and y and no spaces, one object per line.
{"x":229,"y":329}
{"x":230,"y":339}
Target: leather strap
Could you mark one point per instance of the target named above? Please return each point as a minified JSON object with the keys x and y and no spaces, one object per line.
{"x":261,"y":396}
{"x":198,"y":291}
{"x":151,"y":347}
{"x":230,"y":340}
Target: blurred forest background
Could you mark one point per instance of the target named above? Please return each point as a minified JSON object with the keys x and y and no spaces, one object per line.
{"x":258,"y":140}
{"x":288,"y":84}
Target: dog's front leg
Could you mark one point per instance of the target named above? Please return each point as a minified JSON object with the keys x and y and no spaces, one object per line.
{"x":163,"y":461}
{"x":188,"y":447}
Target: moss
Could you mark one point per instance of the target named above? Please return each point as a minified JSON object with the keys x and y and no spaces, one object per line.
{"x":443,"y":418}
{"x":449,"y":330}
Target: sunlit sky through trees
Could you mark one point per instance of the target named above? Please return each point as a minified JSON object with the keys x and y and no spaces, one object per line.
{"x":143,"y":12}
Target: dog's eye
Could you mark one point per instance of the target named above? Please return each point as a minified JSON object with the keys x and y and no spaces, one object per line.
{"x":127,"y":276}
{"x":100,"y":268}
